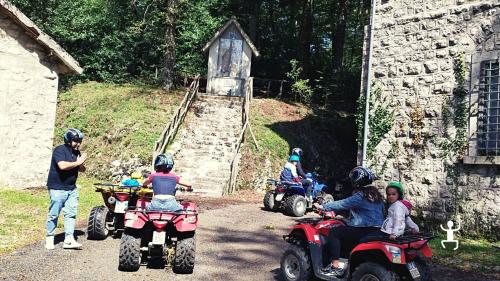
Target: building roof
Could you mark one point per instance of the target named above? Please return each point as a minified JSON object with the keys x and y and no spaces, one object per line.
{"x":221,"y":31}
{"x":71,"y":65}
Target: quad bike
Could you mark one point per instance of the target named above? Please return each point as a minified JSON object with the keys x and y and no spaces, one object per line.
{"x":109,"y":218}
{"x":378,"y":259}
{"x":292,"y":196}
{"x":164,"y":235}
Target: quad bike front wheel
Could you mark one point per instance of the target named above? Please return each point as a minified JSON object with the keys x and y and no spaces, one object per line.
{"x":269,"y":203}
{"x":184,"y":255}
{"x":97,"y":228}
{"x":130,"y":252}
{"x":296,"y":264}
{"x":295,"y":205}
{"x":324,"y":198}
{"x":370,"y":271}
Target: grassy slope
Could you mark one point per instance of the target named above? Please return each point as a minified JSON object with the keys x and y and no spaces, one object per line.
{"x":119,"y":121}
{"x":24,"y":212}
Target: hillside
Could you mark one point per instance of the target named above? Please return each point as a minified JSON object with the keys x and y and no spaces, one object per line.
{"x":327,"y":138}
{"x":119,"y":121}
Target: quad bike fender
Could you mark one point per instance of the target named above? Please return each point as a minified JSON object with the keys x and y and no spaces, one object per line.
{"x":186,"y":223}
{"x":135,"y":219}
{"x":392,"y":256}
{"x":426,"y":250}
{"x":307,"y":231}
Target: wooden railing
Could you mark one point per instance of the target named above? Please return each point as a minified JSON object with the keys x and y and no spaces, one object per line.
{"x":168,"y":133}
{"x":245,"y":121}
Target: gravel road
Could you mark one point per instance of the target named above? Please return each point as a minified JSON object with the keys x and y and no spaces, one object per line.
{"x":236,"y":242}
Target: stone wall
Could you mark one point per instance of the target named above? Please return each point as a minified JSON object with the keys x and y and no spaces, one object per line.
{"x":415,"y":47}
{"x":28,"y":98}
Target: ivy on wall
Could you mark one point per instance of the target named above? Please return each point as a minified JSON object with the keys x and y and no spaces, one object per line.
{"x":455,"y":112}
{"x":381,"y":118}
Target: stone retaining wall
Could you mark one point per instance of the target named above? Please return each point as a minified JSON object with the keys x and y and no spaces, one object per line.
{"x":415,"y":47}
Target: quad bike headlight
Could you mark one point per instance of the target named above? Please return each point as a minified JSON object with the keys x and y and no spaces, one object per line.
{"x":191,"y":219}
{"x":395,"y":252}
{"x":111,"y":200}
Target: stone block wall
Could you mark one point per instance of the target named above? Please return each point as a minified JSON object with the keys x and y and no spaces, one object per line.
{"x":415,"y":47}
{"x":28,"y":98}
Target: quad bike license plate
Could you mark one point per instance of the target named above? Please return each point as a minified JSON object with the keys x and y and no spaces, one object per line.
{"x":120,"y":207}
{"x":413,"y":270}
{"x":279,"y":196}
{"x":158,"y":237}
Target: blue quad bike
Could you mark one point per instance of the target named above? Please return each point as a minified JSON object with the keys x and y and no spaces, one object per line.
{"x":291,"y":197}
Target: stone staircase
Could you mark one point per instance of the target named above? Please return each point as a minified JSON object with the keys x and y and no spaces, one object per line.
{"x":205,"y":144}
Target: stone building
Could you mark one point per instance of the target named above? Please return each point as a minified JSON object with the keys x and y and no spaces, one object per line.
{"x":417,"y":49}
{"x":229,"y":60}
{"x":30,"y":65}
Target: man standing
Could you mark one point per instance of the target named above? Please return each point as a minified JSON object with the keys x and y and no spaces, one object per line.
{"x":66,"y":162}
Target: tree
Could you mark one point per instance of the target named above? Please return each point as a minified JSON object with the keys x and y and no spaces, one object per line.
{"x":169,"y":58}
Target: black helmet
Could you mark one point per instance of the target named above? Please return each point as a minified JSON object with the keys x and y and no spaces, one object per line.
{"x":164,"y":162}
{"x":360,"y":176}
{"x":73,"y":134}
{"x":297,"y":151}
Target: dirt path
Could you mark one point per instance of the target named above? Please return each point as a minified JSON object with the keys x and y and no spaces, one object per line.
{"x":237,"y":242}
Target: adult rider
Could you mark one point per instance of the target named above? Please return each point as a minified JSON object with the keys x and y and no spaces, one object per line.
{"x":366,"y":215}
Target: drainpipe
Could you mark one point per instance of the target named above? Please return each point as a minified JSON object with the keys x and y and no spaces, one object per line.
{"x":366,"y":129}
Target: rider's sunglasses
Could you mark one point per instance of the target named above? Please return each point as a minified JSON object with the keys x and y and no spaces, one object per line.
{"x":77,"y":140}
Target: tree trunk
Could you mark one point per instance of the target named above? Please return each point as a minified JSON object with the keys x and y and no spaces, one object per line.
{"x":169,"y":58}
{"x":339,"y":37}
{"x":252,"y":29}
{"x":304,"y":48}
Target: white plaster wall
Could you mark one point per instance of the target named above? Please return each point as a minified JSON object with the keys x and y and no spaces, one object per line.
{"x":28,"y":98}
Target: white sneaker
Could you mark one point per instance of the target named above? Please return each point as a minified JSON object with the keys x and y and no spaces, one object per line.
{"x":49,"y":242}
{"x":70,"y":243}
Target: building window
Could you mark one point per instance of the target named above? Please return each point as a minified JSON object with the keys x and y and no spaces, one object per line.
{"x":488,"y":121}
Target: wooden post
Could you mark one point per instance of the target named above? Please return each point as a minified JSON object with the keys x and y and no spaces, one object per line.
{"x":268,"y":88}
{"x":281,"y":89}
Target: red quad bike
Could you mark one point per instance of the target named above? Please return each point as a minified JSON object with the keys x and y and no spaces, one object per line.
{"x":109,"y":218}
{"x":169,"y":236}
{"x":376,"y":260}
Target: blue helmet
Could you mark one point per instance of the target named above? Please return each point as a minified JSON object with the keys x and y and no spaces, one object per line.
{"x":361,"y":176}
{"x":295,"y":158}
{"x":164,"y":162}
{"x":73,"y":134}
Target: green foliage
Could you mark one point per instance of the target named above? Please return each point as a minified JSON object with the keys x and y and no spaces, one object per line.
{"x":381,"y":118}
{"x":300,"y":87}
{"x":124,"y":41}
{"x":119,"y":121}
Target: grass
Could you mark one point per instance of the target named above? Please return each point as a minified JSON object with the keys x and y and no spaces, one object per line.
{"x":472,"y":254}
{"x":119,"y":121}
{"x":24,"y":212}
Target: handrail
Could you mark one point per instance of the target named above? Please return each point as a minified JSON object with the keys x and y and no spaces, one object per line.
{"x":245,"y":119}
{"x":168,"y":133}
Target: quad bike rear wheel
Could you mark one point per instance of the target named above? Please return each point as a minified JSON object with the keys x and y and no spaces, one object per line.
{"x":130,"y":252}
{"x":370,"y":271}
{"x":269,"y":203}
{"x":184,"y":255}
{"x":97,"y":228}
{"x":296,"y":264}
{"x":295,"y":205}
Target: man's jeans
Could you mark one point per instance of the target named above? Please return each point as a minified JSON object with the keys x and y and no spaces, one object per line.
{"x":59,"y":199}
